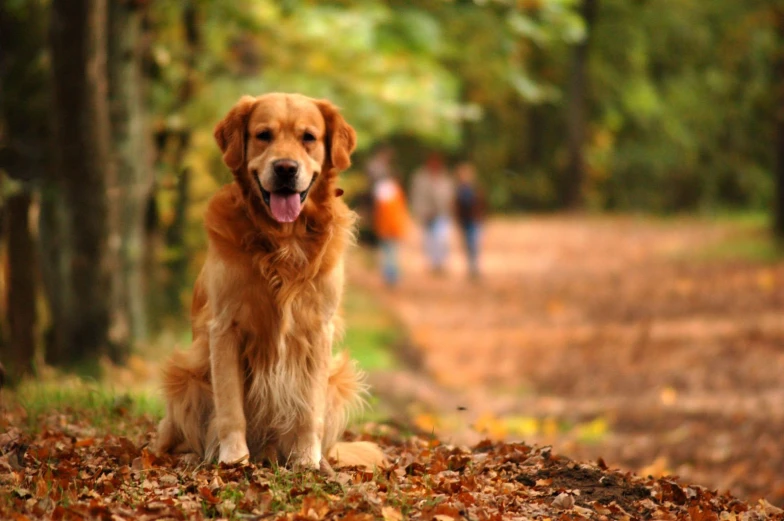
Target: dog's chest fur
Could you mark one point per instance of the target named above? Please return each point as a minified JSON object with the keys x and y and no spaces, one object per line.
{"x":288,"y":341}
{"x":286,"y":288}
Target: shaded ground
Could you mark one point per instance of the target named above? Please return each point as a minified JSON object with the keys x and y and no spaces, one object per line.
{"x":70,"y":470}
{"x":641,"y":342}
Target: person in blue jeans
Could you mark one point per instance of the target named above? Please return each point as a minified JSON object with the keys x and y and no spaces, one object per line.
{"x":432,"y":199}
{"x":470,"y":207}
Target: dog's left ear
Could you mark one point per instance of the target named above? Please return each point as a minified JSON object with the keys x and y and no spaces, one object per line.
{"x":341,"y":138}
{"x":230,"y":132}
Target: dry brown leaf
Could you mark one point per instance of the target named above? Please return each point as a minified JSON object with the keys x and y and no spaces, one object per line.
{"x":563,"y":501}
{"x":391,"y":514}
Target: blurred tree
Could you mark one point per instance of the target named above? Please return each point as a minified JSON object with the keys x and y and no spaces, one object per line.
{"x":21,"y":296}
{"x":24,"y":98}
{"x":77,"y":217}
{"x":573,"y":188}
{"x":174,"y":67}
{"x":181,"y":135}
{"x":680,"y":97}
{"x":132,"y":184}
{"x":502,"y":56}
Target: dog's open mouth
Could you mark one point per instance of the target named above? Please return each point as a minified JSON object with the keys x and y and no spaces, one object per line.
{"x":285,"y":204}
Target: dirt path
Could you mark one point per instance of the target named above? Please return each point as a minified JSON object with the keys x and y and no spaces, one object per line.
{"x":602,"y":337}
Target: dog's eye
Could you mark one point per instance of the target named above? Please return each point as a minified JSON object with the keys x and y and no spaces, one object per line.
{"x":307,"y":137}
{"x":264,"y":135}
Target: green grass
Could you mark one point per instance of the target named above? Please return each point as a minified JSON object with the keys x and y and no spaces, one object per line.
{"x":370,"y":334}
{"x":753,"y":247}
{"x":747,"y":219}
{"x":749,"y":237}
{"x":371,"y":331}
{"x":98,"y":403}
{"x":751,"y":240}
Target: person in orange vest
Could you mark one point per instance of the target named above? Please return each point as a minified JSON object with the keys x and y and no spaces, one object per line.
{"x":391,"y":222}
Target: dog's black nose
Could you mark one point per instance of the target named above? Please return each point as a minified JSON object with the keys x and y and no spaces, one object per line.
{"x":285,"y":169}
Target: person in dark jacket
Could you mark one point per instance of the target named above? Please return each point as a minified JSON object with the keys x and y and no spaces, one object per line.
{"x":470,"y":208}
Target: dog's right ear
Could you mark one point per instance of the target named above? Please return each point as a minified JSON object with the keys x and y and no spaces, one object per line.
{"x":230,"y":132}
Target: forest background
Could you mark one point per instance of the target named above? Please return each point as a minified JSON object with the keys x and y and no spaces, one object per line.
{"x":107,"y":160}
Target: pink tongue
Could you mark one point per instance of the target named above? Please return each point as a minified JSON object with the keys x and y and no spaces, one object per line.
{"x":285,"y":208}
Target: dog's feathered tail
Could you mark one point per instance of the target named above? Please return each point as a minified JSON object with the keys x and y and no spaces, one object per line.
{"x":346,"y":393}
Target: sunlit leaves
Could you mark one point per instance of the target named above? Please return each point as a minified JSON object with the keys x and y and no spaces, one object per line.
{"x":549,"y":21}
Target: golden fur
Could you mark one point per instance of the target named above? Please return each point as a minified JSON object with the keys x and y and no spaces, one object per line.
{"x":260,"y":380}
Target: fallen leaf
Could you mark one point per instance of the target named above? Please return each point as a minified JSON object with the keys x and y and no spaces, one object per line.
{"x":769,"y":509}
{"x":426,"y":422}
{"x":563,"y":501}
{"x":22,"y":493}
{"x":668,"y":396}
{"x":208,"y":496}
{"x":87,"y":442}
{"x":9,"y":437}
{"x":658,"y":468}
{"x":391,"y":514}
{"x":226,"y":508}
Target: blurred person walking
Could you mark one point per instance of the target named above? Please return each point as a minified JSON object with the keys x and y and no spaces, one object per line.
{"x":379,"y":166}
{"x":390,"y":223}
{"x":432,"y":196}
{"x":470,"y":208}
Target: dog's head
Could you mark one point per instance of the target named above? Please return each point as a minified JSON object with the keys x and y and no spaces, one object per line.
{"x":280,"y":146}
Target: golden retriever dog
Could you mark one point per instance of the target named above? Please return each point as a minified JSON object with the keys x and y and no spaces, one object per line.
{"x":260,"y":380}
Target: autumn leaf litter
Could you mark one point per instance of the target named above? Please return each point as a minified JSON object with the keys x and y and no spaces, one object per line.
{"x":67,"y":470}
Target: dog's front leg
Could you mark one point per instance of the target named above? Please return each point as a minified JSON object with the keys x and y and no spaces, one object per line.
{"x":306,"y":442}
{"x":308,"y":438}
{"x":228,"y":392}
{"x":314,"y":436}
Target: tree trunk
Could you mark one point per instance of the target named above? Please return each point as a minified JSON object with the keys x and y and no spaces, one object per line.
{"x":81,"y":130}
{"x":133,"y":181}
{"x":21,"y":272}
{"x":175,"y":238}
{"x":778,"y":220}
{"x":574,"y":180}
{"x":24,"y":105}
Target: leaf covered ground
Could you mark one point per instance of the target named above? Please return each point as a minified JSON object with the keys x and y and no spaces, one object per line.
{"x":66,"y":468}
{"x":655,"y":344}
{"x":639,"y":344}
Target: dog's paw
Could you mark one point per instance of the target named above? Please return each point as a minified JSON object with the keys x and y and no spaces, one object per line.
{"x":189,"y":460}
{"x":325,"y":469}
{"x":233,"y":449}
{"x":308,"y":459}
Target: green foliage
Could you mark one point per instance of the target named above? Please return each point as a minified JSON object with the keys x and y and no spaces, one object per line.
{"x":680,"y":96}
{"x":680,"y":93}
{"x":379,"y":64}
